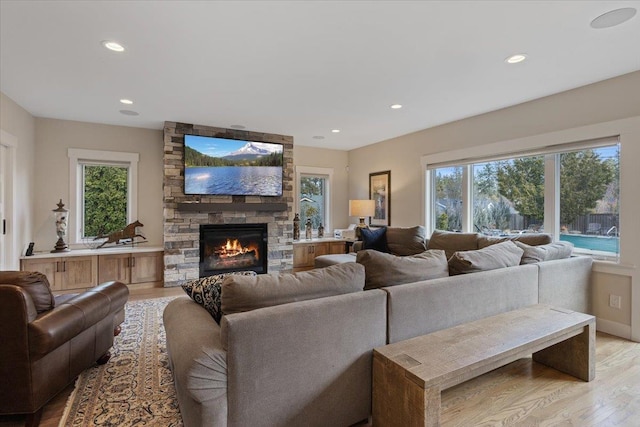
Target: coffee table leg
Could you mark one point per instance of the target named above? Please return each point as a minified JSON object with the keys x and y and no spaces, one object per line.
{"x":398,"y":401}
{"x":575,"y":356}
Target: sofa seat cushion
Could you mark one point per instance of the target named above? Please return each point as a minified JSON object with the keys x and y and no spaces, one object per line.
{"x":36,"y":284}
{"x":452,"y":242}
{"x":534,"y":254}
{"x":246,"y":293}
{"x":500,"y":255}
{"x":206,"y":291}
{"x":383,"y":269}
{"x":531,"y":239}
{"x":406,"y":241}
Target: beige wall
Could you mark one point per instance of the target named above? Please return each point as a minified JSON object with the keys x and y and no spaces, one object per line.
{"x":602,"y":109}
{"x":337,"y":160}
{"x":19,"y":126}
{"x":54,"y":137}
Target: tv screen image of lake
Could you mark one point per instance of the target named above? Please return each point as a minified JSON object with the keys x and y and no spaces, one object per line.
{"x":237,"y":181}
{"x":234,"y":168}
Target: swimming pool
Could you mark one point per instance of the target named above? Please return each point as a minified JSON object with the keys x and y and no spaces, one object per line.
{"x":595,"y":243}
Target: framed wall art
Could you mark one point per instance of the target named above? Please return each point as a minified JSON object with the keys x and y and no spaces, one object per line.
{"x":380,"y":191}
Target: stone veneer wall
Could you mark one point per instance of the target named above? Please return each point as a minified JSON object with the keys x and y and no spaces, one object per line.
{"x":182,"y":227}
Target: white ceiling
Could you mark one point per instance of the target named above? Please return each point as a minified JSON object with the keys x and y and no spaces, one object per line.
{"x":303,"y":68}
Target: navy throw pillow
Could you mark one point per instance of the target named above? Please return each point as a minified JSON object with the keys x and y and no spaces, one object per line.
{"x":374,"y":238}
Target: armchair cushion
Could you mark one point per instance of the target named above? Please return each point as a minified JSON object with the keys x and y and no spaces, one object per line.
{"x":36,"y":284}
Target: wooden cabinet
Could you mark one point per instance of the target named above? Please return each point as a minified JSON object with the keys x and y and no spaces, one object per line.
{"x":304,"y":253}
{"x":130,"y":268}
{"x":77,"y":270}
{"x":66,"y":273}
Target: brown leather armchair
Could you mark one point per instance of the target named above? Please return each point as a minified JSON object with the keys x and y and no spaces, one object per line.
{"x":46,"y":341}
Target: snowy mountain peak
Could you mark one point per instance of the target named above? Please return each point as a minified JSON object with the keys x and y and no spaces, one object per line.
{"x":256,"y":148}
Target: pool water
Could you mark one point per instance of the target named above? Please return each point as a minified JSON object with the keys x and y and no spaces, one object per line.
{"x":595,"y":243}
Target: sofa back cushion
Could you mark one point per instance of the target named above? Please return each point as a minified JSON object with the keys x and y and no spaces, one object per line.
{"x":36,"y":284}
{"x":531,"y":239}
{"x":534,"y":254}
{"x":383,"y":269}
{"x":406,"y":241}
{"x":500,"y":255}
{"x":246,"y":293}
{"x":452,"y":242}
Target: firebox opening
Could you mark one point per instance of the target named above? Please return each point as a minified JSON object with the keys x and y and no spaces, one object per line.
{"x":233,"y":247}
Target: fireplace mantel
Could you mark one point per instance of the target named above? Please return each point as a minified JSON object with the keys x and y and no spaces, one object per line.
{"x":232,"y":207}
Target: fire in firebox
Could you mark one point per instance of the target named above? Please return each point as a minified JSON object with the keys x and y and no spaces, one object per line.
{"x":233,"y":255}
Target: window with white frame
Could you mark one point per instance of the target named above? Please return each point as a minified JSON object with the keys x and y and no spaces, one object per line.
{"x":570,"y":191}
{"x":313,"y":196}
{"x":103,"y":191}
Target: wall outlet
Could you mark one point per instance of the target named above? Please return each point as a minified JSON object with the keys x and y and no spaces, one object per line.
{"x":615,"y":301}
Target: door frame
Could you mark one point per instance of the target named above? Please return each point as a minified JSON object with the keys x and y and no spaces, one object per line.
{"x":11,"y":253}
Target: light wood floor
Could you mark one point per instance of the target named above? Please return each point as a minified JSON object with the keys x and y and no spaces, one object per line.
{"x":523,"y":393}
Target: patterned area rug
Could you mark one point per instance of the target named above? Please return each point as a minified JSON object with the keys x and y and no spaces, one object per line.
{"x":135,"y":388}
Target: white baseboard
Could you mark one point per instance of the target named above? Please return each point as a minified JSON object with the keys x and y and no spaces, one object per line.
{"x":613,"y":328}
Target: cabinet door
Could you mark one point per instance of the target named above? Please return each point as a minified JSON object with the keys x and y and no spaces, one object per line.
{"x":320,"y":249}
{"x":114,"y":267}
{"x":146,"y":267}
{"x":337,"y":247}
{"x":302,"y":256}
{"x":46,"y":266}
{"x":79,"y":272}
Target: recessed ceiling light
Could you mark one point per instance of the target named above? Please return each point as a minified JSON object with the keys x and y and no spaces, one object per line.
{"x":335,"y":130}
{"x":237,"y":127}
{"x":396,"y":106}
{"x":126,"y":101}
{"x":514,"y":59}
{"x":613,"y":17}
{"x":116,"y":47}
{"x":129,"y":113}
{"x":318,"y":137}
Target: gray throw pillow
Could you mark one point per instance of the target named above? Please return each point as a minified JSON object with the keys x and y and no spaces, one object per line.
{"x":241,"y":294}
{"x":382,"y":269}
{"x":531,"y":239}
{"x":451,"y":242}
{"x":500,"y":255}
{"x":206,"y":291}
{"x":556,"y":250}
{"x":406,"y":241}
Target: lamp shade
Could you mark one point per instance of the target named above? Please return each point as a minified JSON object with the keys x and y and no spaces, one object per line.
{"x":362,"y":208}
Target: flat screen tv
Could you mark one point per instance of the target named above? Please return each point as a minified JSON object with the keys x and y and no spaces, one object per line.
{"x":232,"y":167}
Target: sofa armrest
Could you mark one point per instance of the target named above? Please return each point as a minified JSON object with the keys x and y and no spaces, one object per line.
{"x":53,"y":328}
{"x":198,"y":363}
{"x":304,"y":363}
{"x":566,"y":283}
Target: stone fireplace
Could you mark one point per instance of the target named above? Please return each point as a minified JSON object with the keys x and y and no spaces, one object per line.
{"x":233,"y":247}
{"x":184,"y":214}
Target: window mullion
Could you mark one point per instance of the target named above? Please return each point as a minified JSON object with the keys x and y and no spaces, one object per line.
{"x":467,"y":199}
{"x":552,"y":195}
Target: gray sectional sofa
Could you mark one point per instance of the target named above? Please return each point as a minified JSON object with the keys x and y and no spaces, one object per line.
{"x":309,"y":362}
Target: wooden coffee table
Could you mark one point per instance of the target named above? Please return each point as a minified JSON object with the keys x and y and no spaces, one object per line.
{"x":408,"y":376}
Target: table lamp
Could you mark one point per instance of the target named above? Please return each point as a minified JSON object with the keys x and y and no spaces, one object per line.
{"x":361,"y":209}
